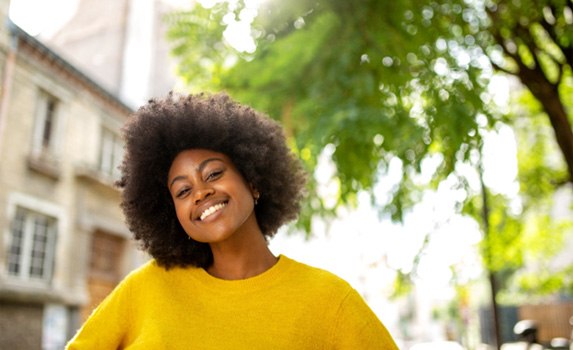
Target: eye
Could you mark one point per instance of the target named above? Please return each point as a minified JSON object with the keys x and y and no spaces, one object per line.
{"x":182,"y":192}
{"x":214,"y":175}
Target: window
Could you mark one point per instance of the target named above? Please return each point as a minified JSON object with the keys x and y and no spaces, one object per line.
{"x":111,"y":153}
{"x":32,"y":245}
{"x":45,"y":136}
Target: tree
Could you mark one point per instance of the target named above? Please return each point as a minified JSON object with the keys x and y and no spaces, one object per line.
{"x":377,"y":81}
{"x":374,"y":79}
{"x":536,"y":38}
{"x":384,"y":79}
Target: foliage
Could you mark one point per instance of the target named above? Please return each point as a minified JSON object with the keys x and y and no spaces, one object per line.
{"x":536,"y":43}
{"x":542,"y":236}
{"x":380,"y":81}
{"x":375,"y":79}
{"x":546,"y":281}
{"x":520,"y":231}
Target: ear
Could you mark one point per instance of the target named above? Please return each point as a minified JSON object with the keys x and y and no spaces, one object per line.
{"x":256,"y":194}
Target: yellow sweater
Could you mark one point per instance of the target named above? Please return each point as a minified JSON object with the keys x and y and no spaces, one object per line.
{"x":290,"y":306}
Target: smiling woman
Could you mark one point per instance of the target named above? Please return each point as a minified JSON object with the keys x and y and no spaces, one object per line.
{"x":213,"y":202}
{"x":161,"y":131}
{"x":206,"y":181}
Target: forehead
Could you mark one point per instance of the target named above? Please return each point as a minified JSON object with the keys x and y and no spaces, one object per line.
{"x":196,"y":158}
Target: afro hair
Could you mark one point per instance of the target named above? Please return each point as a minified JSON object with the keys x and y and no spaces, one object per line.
{"x":163,"y":128}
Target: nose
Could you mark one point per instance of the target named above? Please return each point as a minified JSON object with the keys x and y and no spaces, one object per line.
{"x":201,"y":194}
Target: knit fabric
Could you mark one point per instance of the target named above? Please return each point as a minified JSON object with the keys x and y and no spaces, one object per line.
{"x":290,"y":306}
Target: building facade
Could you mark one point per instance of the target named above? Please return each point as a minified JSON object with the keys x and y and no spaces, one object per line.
{"x":63,"y":241}
{"x":122,"y":45}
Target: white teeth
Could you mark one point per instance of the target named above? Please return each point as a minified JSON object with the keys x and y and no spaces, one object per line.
{"x":211,"y":210}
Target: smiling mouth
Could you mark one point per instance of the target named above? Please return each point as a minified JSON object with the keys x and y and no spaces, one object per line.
{"x":211,"y":210}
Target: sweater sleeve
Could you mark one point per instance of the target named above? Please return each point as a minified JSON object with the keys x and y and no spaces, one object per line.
{"x":357,"y":327}
{"x":106,"y":327}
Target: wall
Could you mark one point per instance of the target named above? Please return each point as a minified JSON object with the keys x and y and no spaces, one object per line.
{"x":66,"y":184}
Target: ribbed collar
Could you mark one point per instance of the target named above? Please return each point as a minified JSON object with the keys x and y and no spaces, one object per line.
{"x":264,"y":280}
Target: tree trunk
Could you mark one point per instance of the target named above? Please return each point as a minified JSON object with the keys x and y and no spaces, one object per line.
{"x":548,"y":96}
{"x":535,"y":77}
{"x":495,"y":320}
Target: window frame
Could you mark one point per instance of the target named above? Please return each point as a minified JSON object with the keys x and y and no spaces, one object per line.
{"x":36,"y":249}
{"x":46,"y":136}
{"x":110,"y":152}
{"x":37,"y":208}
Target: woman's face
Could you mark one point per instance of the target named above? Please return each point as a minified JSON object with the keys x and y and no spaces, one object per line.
{"x":212,"y":199}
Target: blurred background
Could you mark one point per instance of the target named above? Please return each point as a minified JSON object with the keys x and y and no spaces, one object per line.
{"x":438,"y":135}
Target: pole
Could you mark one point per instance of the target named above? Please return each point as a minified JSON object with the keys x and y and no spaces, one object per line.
{"x":491,"y":274}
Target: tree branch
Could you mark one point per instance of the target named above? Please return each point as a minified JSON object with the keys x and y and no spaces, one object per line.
{"x":550,"y":31}
{"x":567,"y":50}
{"x":526,"y":37}
{"x":501,"y":69}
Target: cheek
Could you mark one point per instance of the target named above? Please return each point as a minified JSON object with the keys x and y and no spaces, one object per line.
{"x":182,"y":214}
{"x":183,"y":217}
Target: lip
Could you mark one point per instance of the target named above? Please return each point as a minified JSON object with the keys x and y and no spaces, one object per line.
{"x":200,"y":209}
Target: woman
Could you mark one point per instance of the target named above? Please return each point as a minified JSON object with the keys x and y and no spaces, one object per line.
{"x":206,"y":182}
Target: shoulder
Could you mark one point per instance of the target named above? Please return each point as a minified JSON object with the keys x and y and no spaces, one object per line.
{"x":313,"y":271}
{"x":153,"y":268}
{"x":148,"y":273}
{"x":316,"y":278}
{"x":148,"y":269}
{"x":353,"y":325}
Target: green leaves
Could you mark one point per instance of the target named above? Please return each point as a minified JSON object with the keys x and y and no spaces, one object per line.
{"x":197,"y":37}
{"x":377,"y":82}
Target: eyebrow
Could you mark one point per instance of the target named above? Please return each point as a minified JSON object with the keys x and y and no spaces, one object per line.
{"x":199,"y":169}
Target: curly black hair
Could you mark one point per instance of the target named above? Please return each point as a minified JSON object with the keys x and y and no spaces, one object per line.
{"x":164,"y":127}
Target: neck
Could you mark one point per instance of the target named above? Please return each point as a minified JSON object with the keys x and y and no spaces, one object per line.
{"x":252,"y":257}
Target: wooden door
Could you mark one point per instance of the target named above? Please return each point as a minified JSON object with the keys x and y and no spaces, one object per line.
{"x":105,"y":268}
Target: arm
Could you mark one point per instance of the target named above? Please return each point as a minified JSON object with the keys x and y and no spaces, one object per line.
{"x":357,"y":327}
{"x":106,"y":327}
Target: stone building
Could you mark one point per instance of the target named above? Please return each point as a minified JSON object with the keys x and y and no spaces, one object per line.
{"x":63,"y":242}
{"x":121,"y":44}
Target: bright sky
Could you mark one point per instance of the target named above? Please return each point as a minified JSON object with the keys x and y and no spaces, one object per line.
{"x":359,"y":247}
{"x":40,"y":16}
